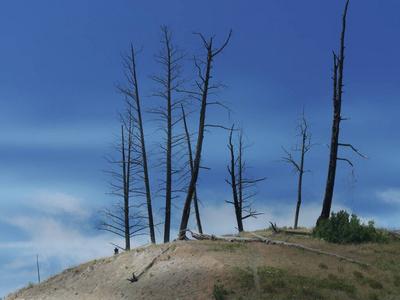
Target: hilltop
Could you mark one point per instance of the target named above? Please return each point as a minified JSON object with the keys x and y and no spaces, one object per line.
{"x":210,"y":269}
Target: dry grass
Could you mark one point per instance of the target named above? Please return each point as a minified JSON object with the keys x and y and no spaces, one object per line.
{"x":223,"y":270}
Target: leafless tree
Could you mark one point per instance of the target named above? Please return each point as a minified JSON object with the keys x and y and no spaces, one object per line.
{"x":204,"y":88}
{"x":190,"y":154}
{"x":303,"y":148}
{"x":123,"y":219}
{"x":168,"y":113}
{"x":131,"y":92}
{"x":239,"y":182}
{"x":338,"y":61}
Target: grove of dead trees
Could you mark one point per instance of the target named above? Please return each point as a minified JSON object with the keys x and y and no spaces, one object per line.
{"x":180,"y":157}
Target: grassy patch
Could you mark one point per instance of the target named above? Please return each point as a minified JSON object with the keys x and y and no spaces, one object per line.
{"x":244,"y":277}
{"x":223,"y":247}
{"x":335,"y":283}
{"x":272,"y":280}
{"x":277,"y":282}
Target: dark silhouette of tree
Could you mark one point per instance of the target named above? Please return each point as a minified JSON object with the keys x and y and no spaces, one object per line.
{"x":169,"y":57}
{"x":190,"y":154}
{"x":123,"y":219}
{"x":204,"y":87}
{"x":131,"y":92}
{"x":240,"y":183}
{"x":338,"y":61}
{"x":303,"y":148}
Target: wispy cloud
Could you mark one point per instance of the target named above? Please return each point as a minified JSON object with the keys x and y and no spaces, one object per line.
{"x":390,"y":196}
{"x":59,"y":228}
{"x":56,"y":203}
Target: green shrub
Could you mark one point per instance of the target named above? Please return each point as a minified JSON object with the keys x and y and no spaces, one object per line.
{"x":376,"y":285}
{"x":323,"y":266}
{"x":219,"y":292}
{"x":30,"y":285}
{"x":340,"y":228}
{"x":359,"y":276}
{"x":396,"y":280}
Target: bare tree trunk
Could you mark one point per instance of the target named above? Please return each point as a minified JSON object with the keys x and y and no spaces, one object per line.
{"x":337,"y":117}
{"x":204,"y":87}
{"x":126,"y":181}
{"x":306,"y":145}
{"x":169,"y":56}
{"x":37,"y":266}
{"x":168,"y":189}
{"x":142,"y":147}
{"x":239,"y":182}
{"x":234,"y":184}
{"x":240,"y":178}
{"x":120,"y":220}
{"x":189,"y":145}
{"x":301,"y":171}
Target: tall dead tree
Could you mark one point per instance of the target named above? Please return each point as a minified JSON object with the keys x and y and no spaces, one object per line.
{"x":190,"y":154}
{"x":131,"y":92}
{"x":203,"y":89}
{"x":123,"y":219}
{"x":338,"y":61}
{"x":239,"y":182}
{"x":303,"y":148}
{"x":169,"y":57}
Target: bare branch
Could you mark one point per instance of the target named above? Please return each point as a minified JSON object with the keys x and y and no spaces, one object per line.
{"x":354,"y":149}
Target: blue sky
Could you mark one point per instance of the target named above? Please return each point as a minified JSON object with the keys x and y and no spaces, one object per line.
{"x":60,"y":61}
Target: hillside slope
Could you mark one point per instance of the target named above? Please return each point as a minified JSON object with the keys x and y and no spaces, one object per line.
{"x":223,"y":270}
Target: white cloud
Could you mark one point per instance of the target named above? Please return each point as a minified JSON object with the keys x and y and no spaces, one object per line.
{"x":56,"y":226}
{"x":390,"y":196}
{"x":56,"y":203}
{"x":53,"y":239}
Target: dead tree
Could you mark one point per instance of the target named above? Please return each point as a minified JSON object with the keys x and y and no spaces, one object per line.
{"x":190,"y":154}
{"x":204,"y":87}
{"x":123,"y":219}
{"x":338,"y":61}
{"x":239,"y":182}
{"x":302,"y":127}
{"x":168,"y":113}
{"x":131,"y":92}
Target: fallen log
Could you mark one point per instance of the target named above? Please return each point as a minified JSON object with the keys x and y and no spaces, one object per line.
{"x":281,"y":243}
{"x":202,"y":236}
{"x":277,"y":230}
{"x":259,"y":238}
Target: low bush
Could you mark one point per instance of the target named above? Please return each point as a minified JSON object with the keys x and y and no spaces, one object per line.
{"x":219,"y":292}
{"x":341,"y":228}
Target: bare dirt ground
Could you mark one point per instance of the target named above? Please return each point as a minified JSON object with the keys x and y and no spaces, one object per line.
{"x":193,"y":270}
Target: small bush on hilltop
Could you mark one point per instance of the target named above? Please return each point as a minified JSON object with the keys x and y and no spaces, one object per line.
{"x":340,"y":228}
{"x":219,"y":292}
